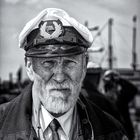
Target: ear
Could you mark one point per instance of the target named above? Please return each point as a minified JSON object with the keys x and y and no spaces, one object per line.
{"x":85,"y":61}
{"x":87,"y":58}
{"x":29,"y":70}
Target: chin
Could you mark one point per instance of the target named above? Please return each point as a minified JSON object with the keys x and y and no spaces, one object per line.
{"x":58,"y":105}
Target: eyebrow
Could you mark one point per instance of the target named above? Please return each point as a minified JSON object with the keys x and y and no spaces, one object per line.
{"x":71,"y":58}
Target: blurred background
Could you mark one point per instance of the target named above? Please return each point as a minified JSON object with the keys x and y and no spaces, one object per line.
{"x":14,"y":14}
{"x":115,"y":26}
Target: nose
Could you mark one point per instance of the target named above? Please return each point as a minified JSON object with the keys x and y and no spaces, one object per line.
{"x":59,"y":74}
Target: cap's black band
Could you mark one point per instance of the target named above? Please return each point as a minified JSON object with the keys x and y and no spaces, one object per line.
{"x":55,"y":51}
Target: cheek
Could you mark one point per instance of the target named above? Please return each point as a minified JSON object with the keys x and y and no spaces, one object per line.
{"x":77,"y":73}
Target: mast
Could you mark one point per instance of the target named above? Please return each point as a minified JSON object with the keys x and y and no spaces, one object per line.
{"x":110,"y":49}
{"x":134,"y":55}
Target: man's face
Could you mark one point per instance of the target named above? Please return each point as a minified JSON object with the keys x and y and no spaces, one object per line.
{"x":58,"y":81}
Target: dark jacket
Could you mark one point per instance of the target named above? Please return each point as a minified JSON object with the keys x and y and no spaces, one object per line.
{"x":127,"y":94}
{"x":15,"y":120}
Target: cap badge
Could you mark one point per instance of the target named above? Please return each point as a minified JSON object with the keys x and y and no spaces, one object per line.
{"x":51,"y":29}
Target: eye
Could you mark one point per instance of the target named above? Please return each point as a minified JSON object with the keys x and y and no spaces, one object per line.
{"x":69,"y":63}
{"x":48,"y":64}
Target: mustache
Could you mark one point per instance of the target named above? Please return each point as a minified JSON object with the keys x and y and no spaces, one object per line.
{"x":57,"y":86}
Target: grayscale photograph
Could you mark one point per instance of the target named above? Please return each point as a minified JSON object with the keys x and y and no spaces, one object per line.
{"x":70,"y":70}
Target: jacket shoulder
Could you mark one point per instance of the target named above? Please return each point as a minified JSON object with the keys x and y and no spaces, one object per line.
{"x":105,"y":124}
{"x":4,"y":107}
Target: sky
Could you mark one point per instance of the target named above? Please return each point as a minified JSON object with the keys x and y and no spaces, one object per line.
{"x":14,"y":14}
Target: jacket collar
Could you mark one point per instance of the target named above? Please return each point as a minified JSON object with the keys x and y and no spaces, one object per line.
{"x":86,"y":126}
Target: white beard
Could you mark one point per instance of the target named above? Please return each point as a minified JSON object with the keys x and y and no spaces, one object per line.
{"x":57,"y":104}
{"x":56,"y":101}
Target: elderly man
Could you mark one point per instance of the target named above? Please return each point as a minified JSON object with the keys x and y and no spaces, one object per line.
{"x":51,"y":107}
